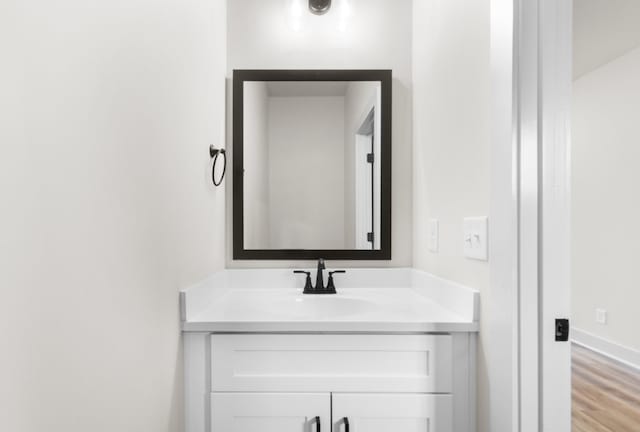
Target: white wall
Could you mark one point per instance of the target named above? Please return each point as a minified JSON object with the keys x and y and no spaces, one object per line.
{"x":377,"y":35}
{"x":602,"y":31}
{"x":306,"y":172}
{"x":451,"y":81}
{"x":606,"y":200}
{"x":107,"y":208}
{"x":256,"y":164}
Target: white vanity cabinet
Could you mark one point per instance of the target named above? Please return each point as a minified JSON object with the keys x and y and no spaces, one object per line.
{"x":312,"y":382}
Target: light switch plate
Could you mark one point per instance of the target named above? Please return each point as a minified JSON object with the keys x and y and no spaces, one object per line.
{"x":475,"y":238}
{"x":434,"y":235}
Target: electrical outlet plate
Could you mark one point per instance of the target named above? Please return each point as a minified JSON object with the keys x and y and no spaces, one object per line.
{"x":475,"y":238}
{"x":601,"y":316}
{"x":434,"y":235}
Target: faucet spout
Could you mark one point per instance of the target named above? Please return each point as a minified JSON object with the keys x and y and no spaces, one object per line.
{"x":319,"y":288}
{"x":319,"y":275}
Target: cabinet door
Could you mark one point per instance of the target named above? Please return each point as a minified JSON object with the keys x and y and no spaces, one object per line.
{"x":392,"y":412}
{"x":270,"y":412}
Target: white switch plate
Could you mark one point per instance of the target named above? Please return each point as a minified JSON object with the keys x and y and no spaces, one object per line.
{"x":601,"y":316}
{"x":434,"y":235}
{"x":475,"y":238}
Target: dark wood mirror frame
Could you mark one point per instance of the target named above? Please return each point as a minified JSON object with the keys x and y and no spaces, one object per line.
{"x":239,"y":78}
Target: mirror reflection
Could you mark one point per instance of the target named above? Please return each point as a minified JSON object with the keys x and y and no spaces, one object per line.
{"x":311,"y":164}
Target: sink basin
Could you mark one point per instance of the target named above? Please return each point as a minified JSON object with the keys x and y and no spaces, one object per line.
{"x":292,"y":305}
{"x":321,"y":306}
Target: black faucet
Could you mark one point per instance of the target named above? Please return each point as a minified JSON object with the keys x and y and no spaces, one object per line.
{"x":320,"y":276}
{"x":319,"y":288}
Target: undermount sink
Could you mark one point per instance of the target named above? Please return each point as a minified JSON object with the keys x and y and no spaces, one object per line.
{"x":312,"y":306}
{"x":292,"y":305}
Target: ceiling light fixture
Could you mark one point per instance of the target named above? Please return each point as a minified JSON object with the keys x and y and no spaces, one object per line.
{"x":319,"y":7}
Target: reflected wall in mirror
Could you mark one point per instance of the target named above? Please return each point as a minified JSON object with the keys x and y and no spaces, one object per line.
{"x":312,"y":164}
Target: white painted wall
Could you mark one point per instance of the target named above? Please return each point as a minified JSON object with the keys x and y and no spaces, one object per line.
{"x":306,"y":172}
{"x":606,"y":202}
{"x":377,"y":35}
{"x":603,"y":30}
{"x":256,"y":163}
{"x":451,"y":181}
{"x":107,"y":206}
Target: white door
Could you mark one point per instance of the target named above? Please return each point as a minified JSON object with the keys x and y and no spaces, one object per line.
{"x":392,"y":413}
{"x":270,"y":412}
{"x":364,"y":191}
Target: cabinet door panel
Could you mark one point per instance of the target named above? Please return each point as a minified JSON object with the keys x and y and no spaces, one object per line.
{"x":393,"y":412}
{"x":270,"y":412}
{"x":339,"y":363}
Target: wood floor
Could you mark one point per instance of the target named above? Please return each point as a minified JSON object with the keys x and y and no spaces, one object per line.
{"x":606,"y":394}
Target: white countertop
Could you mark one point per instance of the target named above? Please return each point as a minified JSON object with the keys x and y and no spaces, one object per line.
{"x":410,"y":303}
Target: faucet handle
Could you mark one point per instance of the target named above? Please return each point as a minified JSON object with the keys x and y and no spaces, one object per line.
{"x":302,"y":272}
{"x":331,"y":288}
{"x":307,"y":284}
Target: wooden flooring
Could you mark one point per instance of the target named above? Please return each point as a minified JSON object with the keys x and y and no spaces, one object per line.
{"x":606,"y":394}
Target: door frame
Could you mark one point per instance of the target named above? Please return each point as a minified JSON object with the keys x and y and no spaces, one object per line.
{"x":556,"y":82}
{"x":531,"y":56}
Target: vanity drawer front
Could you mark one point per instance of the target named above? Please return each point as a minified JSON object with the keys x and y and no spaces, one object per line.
{"x":349,"y":363}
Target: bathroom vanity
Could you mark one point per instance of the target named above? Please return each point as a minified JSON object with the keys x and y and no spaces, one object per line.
{"x":265,"y":350}
{"x":394,"y":350}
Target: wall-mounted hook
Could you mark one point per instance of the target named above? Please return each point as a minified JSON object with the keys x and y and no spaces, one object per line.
{"x":214,"y":153}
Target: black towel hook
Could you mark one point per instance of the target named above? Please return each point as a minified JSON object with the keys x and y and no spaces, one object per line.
{"x":214,"y":153}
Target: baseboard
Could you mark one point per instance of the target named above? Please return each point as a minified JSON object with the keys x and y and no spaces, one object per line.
{"x":615,"y":351}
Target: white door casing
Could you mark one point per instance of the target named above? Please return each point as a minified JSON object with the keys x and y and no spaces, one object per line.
{"x":498,"y":401}
{"x":544,"y":99}
{"x":543,"y":133}
{"x":555,"y":290}
{"x":529,"y":262}
{"x":528,"y":142}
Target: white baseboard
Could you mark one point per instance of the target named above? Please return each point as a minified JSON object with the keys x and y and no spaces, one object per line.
{"x":615,"y":351}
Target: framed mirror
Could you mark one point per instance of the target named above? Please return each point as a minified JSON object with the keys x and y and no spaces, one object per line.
{"x":312,"y":164}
